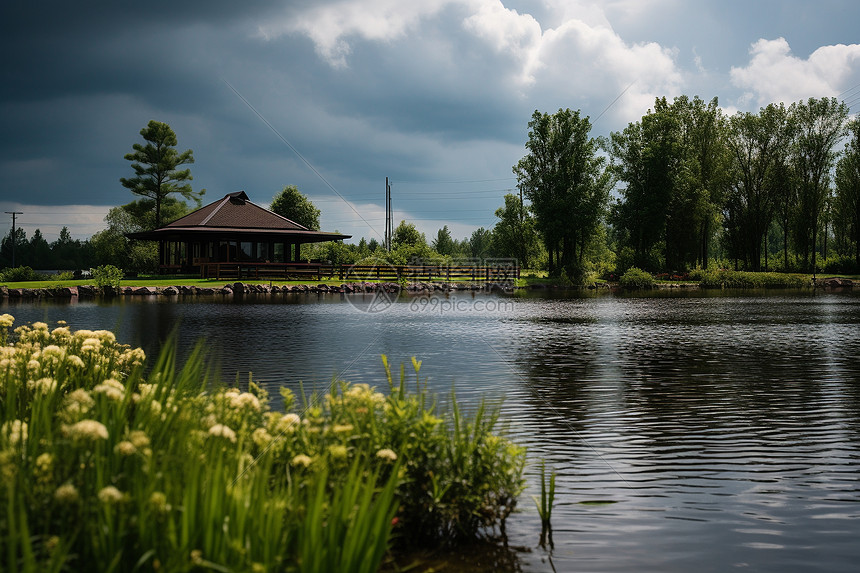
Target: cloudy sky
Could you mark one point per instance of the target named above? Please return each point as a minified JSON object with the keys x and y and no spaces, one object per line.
{"x":336,"y":95}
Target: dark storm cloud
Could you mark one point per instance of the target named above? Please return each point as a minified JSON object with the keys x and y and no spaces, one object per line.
{"x":83,"y":79}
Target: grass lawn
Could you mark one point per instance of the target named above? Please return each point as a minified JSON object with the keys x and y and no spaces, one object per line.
{"x":164,"y":282}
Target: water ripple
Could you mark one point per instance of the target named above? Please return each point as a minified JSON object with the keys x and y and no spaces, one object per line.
{"x":703,"y":431}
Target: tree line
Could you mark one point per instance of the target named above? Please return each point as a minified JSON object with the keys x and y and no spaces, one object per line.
{"x":685,"y":186}
{"x":65,"y":253}
{"x":688,"y":185}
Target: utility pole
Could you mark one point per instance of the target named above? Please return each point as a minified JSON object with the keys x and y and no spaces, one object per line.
{"x":388,"y":226}
{"x":390,"y":219}
{"x":14,"y":236}
{"x":522,"y":249}
{"x":385,"y":241}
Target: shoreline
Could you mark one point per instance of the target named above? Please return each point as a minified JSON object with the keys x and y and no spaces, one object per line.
{"x":240,"y":288}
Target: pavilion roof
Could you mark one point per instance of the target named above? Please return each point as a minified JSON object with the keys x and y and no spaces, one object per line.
{"x":236,"y":215}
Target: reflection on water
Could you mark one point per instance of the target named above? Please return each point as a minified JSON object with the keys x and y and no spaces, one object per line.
{"x":723,"y":427}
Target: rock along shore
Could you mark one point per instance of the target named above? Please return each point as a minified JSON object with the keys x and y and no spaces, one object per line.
{"x":239,"y":288}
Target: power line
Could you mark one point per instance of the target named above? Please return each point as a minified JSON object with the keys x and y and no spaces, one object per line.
{"x":296,"y":151}
{"x":846,"y":92}
{"x":624,"y":91}
{"x":442,"y":182}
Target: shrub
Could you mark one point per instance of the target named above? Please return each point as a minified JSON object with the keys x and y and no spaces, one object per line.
{"x":19,"y":274}
{"x":105,"y":469}
{"x":26,"y":274}
{"x":636,"y":278}
{"x":743,"y":280}
{"x":840,"y":265}
{"x":107,"y":275}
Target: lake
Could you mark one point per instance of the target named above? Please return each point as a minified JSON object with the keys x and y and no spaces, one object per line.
{"x":689,"y":429}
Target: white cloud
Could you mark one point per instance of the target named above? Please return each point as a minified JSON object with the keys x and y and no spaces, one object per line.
{"x":507,"y":31}
{"x":774,"y":74}
{"x":597,"y":64}
{"x":330,"y":25}
{"x":581,"y":56}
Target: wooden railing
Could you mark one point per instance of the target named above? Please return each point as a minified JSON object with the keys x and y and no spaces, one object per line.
{"x":430,"y":273}
{"x":285,"y":271}
{"x":503,"y":272}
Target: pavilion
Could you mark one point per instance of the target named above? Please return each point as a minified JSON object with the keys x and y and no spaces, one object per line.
{"x":232,"y":234}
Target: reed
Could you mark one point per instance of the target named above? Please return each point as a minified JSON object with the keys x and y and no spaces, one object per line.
{"x":104,"y":468}
{"x":545,"y":504}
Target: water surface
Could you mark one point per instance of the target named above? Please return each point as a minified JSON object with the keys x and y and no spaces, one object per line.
{"x":706,"y":431}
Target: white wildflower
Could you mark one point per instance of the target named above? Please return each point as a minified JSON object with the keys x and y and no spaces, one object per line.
{"x":158,"y":502}
{"x":66,"y":493}
{"x":245,"y":400}
{"x":61,"y":333}
{"x":105,"y":335}
{"x":386,"y":454}
{"x":342,"y":428}
{"x":261,"y":437}
{"x":138,"y":438}
{"x":111,"y":388}
{"x":125,"y":448}
{"x":91,"y":346}
{"x":17,"y":432}
{"x":337,"y":452}
{"x":288,"y":423}
{"x":79,"y":402}
{"x":88,"y":430}
{"x":109,"y":495}
{"x":42,"y":386}
{"x":223,"y":431}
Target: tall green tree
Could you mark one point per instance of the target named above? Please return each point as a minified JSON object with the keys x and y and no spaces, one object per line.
{"x":514,"y":234}
{"x":694,"y":204}
{"x":444,"y":243}
{"x":481,"y":244}
{"x":785,"y":189}
{"x":71,"y":254}
{"x":40,"y":252}
{"x":759,"y":145}
{"x":671,"y":164}
{"x":847,"y":202}
{"x":646,"y":159}
{"x":820,"y":124}
{"x":17,"y":242}
{"x":566,"y":182}
{"x":142,"y":212}
{"x":407,"y":235}
{"x":295,"y":206}
{"x":156,"y":168}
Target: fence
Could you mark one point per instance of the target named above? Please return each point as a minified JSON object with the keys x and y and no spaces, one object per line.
{"x":501,"y":271}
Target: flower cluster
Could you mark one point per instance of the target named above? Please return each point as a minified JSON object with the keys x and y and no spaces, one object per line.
{"x":99,"y":457}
